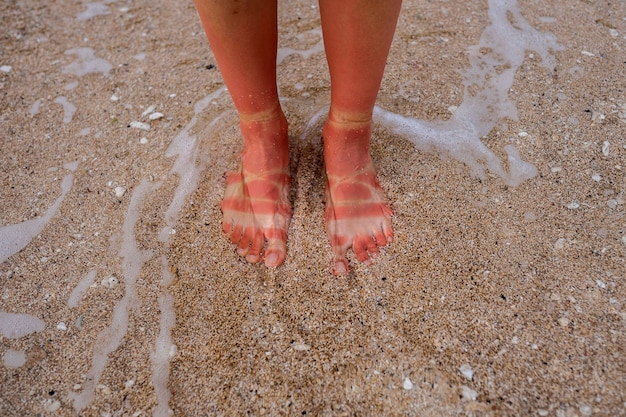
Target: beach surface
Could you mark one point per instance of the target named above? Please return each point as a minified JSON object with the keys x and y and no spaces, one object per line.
{"x":499,"y":139}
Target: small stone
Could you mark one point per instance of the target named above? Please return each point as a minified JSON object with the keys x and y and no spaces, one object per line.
{"x":173,"y":351}
{"x":613,"y":32}
{"x":143,"y":141}
{"x":139,"y":125}
{"x":573,"y":205}
{"x":6,"y":68}
{"x":587,"y":53}
{"x":114,"y":97}
{"x":600,"y":283}
{"x":51,"y":405}
{"x":156,"y":116}
{"x":612,"y":204}
{"x":606,"y":148}
{"x":468,"y":393}
{"x":104,"y":389}
{"x":563,"y":322}
{"x":407,"y":384}
{"x":120,"y":191}
{"x":129,"y":384}
{"x":554,"y":170}
{"x":148,"y":110}
{"x":585,"y":410}
{"x":596,"y":116}
{"x":560,"y":243}
{"x":596,"y":177}
{"x":522,"y":134}
{"x":467,"y":371}
{"x":542,"y":412}
{"x":62,"y":326}
{"x":300,"y":346}
{"x":110,"y":282}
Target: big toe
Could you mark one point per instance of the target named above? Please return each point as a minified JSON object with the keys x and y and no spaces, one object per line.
{"x":340,"y":267}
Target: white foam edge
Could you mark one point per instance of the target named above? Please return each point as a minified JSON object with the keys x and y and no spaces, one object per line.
{"x":15,"y":237}
{"x":111,"y":337}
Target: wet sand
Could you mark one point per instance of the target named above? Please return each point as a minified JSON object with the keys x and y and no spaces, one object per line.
{"x":493,"y":299}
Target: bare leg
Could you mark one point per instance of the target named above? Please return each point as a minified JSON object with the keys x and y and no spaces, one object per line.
{"x":357,"y":38}
{"x":243,"y":36}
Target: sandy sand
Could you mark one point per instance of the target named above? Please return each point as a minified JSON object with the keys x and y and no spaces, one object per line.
{"x":495,"y":298}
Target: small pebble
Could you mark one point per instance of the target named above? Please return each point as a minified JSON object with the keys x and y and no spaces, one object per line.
{"x":6,"y":68}
{"x":129,"y":384}
{"x":105,"y":390}
{"x":606,"y":148}
{"x":51,"y":405}
{"x":560,"y":243}
{"x":148,"y":110}
{"x":468,"y":393}
{"x":467,"y":371}
{"x":173,"y":351}
{"x":300,"y":346}
{"x":522,"y":134}
{"x":573,"y":205}
{"x":587,"y":53}
{"x":585,"y":410}
{"x":120,"y":191}
{"x":563,"y":322}
{"x":110,"y":282}
{"x":407,"y":384}
{"x":155,"y":116}
{"x":114,"y":98}
{"x":62,"y":326}
{"x":596,"y":177}
{"x":555,"y":169}
{"x":143,"y":141}
{"x":139,"y":125}
{"x":600,"y":283}
{"x":613,"y":32}
{"x":542,"y":412}
{"x":612,"y":204}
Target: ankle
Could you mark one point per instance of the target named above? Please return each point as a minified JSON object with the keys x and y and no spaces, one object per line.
{"x":346,"y":146}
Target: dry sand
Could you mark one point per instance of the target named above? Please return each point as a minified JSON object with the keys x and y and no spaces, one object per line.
{"x":492,"y":300}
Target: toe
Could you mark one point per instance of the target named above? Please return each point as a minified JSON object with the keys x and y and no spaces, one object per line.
{"x":256,"y":246}
{"x":275,"y":254}
{"x":276,"y":247}
{"x":340,"y":267}
{"x":235,"y":234}
{"x":373,"y":250}
{"x":360,"y":246}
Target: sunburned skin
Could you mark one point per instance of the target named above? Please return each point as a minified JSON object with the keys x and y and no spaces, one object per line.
{"x":357,"y":213}
{"x":256,"y":206}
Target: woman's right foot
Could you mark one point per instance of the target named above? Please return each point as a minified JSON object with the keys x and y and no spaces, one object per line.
{"x":256,"y":209}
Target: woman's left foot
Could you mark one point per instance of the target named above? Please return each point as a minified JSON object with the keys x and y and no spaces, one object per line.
{"x":357,"y":213}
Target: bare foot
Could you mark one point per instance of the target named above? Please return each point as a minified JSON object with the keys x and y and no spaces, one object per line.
{"x":357,"y":213}
{"x":256,"y":205}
